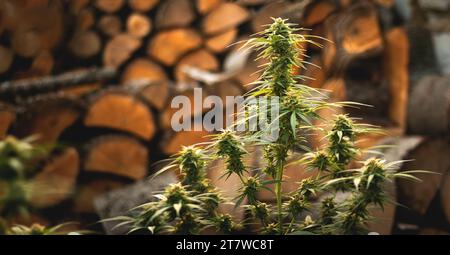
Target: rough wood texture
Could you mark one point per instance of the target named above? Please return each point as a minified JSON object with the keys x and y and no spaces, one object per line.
{"x":175,"y":13}
{"x":56,"y":182}
{"x":167,"y":114}
{"x":355,"y":33}
{"x":85,"y":44}
{"x":29,"y":87}
{"x":168,"y":46}
{"x":43,"y":64}
{"x":156,"y":94}
{"x":220,"y":42}
{"x":138,"y":25}
{"x":173,"y":142}
{"x":432,"y":156}
{"x":205,"y":6}
{"x":202,"y":59}
{"x":117,"y":155}
{"x":318,"y":11}
{"x":428,"y":110}
{"x":224,"y":17}
{"x":121,"y":111}
{"x":396,"y":57}
{"x":47,"y":117}
{"x":119,"y":50}
{"x":110,"y":25}
{"x":143,"y":69}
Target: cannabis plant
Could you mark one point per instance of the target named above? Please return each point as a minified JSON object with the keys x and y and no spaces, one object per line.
{"x":15,"y":167}
{"x":191,"y":205}
{"x":17,"y":164}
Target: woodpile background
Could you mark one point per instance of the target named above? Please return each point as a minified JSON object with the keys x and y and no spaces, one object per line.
{"x":114,"y":119}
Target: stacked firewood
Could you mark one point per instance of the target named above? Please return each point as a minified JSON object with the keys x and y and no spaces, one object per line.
{"x":115,"y":122}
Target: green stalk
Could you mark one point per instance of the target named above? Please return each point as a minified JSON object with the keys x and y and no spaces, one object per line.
{"x":278,"y":193}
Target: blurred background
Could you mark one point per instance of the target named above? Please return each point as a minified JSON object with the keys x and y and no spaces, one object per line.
{"x":96,"y":78}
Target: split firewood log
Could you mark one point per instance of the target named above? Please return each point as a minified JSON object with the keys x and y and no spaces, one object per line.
{"x":168,"y":46}
{"x":47,"y":117}
{"x":7,"y":118}
{"x":224,"y":17}
{"x":429,"y":106}
{"x":142,"y":5}
{"x":26,"y":43}
{"x":139,"y":25}
{"x":431,"y":155}
{"x":318,"y":11}
{"x":192,"y":110}
{"x":110,"y":25}
{"x":174,"y":13}
{"x":396,"y":60}
{"x":205,"y":6}
{"x":155,"y":93}
{"x":35,"y":27}
{"x":6,"y":58}
{"x":109,"y":6}
{"x":85,"y":44}
{"x":143,"y":69}
{"x":83,"y":201}
{"x":201,"y":59}
{"x":118,"y":155}
{"x":122,"y":111}
{"x":220,"y":42}
{"x":355,"y":33}
{"x":56,"y":182}
{"x":119,"y":49}
{"x":173,"y":142}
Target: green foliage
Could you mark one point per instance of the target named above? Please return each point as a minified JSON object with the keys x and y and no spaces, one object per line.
{"x":192,"y":205}
{"x":15,"y":167}
{"x":37,"y":229}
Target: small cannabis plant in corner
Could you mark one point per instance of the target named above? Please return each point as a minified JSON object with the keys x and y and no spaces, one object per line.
{"x":191,"y":205}
{"x":17,"y":164}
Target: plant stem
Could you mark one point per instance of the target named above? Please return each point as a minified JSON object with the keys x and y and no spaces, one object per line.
{"x":278,"y":194}
{"x":290,"y":225}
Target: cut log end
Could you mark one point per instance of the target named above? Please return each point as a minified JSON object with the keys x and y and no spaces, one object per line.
{"x":48,"y":117}
{"x":117,"y":155}
{"x":168,"y":46}
{"x":121,"y":111}
{"x":56,"y":182}
{"x":175,"y":141}
{"x":109,"y":6}
{"x":224,"y":17}
{"x":138,"y":25}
